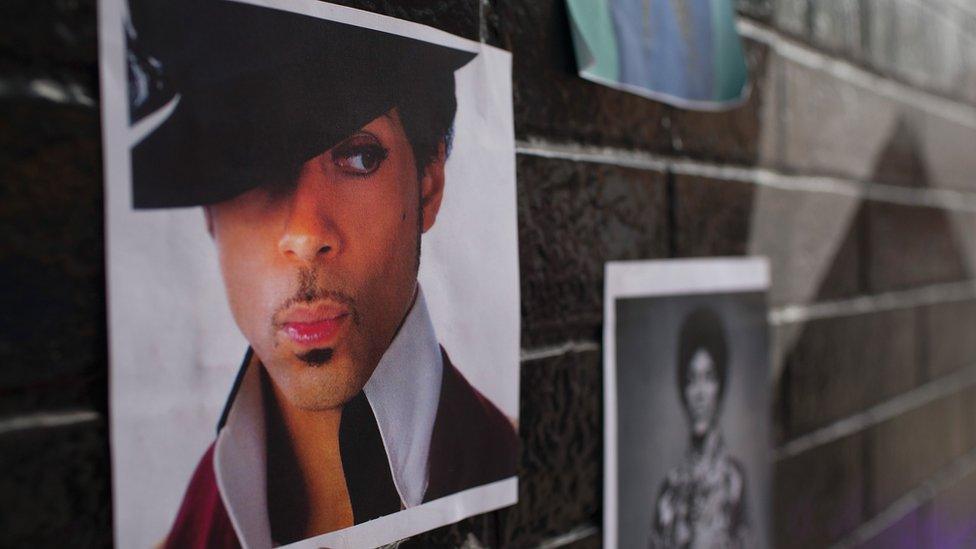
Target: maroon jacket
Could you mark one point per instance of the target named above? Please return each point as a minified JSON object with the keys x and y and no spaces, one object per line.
{"x":472,"y":444}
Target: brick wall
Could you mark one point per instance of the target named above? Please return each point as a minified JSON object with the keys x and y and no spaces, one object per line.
{"x":851,"y":167}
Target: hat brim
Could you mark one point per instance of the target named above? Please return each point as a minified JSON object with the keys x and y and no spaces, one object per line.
{"x":267,"y":90}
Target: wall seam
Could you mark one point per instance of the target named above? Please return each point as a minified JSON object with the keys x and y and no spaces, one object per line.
{"x":934,"y":294}
{"x":47,"y":89}
{"x":573,"y":535}
{"x":551,"y":351}
{"x":908,"y":401}
{"x":45,"y":420}
{"x":912,"y":500}
{"x":946,"y":199}
{"x":793,"y":50}
{"x":671,"y":198}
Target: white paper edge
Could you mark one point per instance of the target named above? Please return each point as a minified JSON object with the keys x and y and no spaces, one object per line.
{"x":111,"y":40}
{"x":415,"y":520}
{"x":657,"y":278}
{"x":673,"y":100}
{"x":369,"y":20}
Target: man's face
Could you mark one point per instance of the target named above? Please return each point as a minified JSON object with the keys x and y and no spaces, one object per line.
{"x":320,"y":274}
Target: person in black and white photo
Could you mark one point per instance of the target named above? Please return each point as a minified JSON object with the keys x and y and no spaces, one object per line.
{"x":702,"y":502}
{"x":687,"y":405}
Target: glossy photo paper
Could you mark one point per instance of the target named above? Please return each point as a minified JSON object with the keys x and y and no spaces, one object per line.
{"x":312,"y":274}
{"x":686,"y":387}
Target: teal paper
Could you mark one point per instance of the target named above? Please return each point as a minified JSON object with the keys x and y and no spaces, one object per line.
{"x":684,"y":52}
{"x":594,"y":39}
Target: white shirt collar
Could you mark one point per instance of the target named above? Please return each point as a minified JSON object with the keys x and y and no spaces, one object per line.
{"x":403,"y":392}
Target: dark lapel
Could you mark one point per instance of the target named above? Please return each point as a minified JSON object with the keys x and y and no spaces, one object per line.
{"x":364,"y":463}
{"x":473,"y":442}
{"x":372,"y":492}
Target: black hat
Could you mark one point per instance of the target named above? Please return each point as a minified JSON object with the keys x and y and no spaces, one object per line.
{"x":259,"y":91}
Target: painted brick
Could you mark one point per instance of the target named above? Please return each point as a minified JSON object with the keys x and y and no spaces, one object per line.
{"x":730,"y":135}
{"x":836,"y":27}
{"x":911,"y":246}
{"x":819,"y":495}
{"x":781,"y":339}
{"x":473,"y":533}
{"x":573,"y":217}
{"x":560,"y":469}
{"x":968,"y":425}
{"x":792,"y":16}
{"x":946,"y":520}
{"x":950,"y":521}
{"x":925,"y":44}
{"x":813,"y":242}
{"x":460,"y":18}
{"x":908,"y":449}
{"x":50,"y":39}
{"x":947,"y":149}
{"x":711,"y":216}
{"x":839,"y":366}
{"x":902,"y":534}
{"x":831,"y":126}
{"x":772,"y":117}
{"x":52,"y":256}
{"x":903,"y":160}
{"x":551,"y":101}
{"x":86,"y":390}
{"x":948,"y":330}
{"x":921,"y":44}
{"x":761,"y":10}
{"x":594,"y":541}
{"x":55,"y":487}
{"x":844,"y":276}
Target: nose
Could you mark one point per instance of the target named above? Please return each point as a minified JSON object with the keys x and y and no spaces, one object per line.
{"x":310,"y":233}
{"x":698,"y":393}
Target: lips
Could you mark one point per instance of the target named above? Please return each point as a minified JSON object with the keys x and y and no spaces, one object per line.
{"x":314,"y":326}
{"x":322,"y":331}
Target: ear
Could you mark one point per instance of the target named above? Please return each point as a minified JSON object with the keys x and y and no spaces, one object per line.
{"x":432,"y":189}
{"x":208,"y":217}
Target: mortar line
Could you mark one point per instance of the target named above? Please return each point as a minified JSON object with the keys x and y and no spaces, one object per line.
{"x":482,"y":24}
{"x":597,"y":155}
{"x":47,"y":89}
{"x":789,"y":48}
{"x":572,"y":346}
{"x":947,"y":199}
{"x":905,"y":402}
{"x":575,"y":534}
{"x":922,"y":493}
{"x":903,"y":299}
{"x":43,"y":420}
{"x":935,"y":294}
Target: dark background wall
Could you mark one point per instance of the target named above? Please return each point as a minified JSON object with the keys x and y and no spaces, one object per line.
{"x":851,"y":167}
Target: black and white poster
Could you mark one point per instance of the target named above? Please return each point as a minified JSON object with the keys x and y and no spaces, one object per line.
{"x":686,"y":373}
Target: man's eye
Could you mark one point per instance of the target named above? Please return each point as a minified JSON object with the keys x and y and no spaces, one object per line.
{"x":359,"y":158}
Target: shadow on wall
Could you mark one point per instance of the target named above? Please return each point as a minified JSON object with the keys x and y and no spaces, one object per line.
{"x":841,"y":365}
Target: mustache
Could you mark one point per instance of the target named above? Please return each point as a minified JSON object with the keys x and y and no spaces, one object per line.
{"x":309,"y":292}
